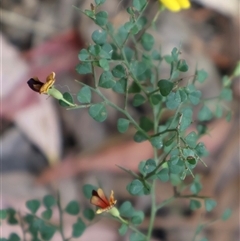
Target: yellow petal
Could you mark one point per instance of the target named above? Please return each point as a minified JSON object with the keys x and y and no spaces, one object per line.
{"x":172,"y":5}
{"x":184,"y":4}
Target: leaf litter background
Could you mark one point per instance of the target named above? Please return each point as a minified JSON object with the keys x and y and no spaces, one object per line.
{"x":38,"y":37}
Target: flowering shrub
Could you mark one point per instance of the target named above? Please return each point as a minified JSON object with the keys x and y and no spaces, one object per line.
{"x":133,"y":73}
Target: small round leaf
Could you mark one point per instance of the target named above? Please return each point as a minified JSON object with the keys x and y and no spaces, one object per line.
{"x":165,"y":87}
{"x":84,"y":95}
{"x":122,"y":125}
{"x":78,"y":228}
{"x":89,"y":214}
{"x":72,"y":208}
{"x":99,"y":36}
{"x":210,"y":204}
{"x":98,"y":112}
{"x":33,"y":205}
{"x":101,"y":18}
{"x":49,"y":201}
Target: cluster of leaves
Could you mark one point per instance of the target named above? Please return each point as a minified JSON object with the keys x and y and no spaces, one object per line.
{"x":133,"y":73}
{"x":40,"y":226}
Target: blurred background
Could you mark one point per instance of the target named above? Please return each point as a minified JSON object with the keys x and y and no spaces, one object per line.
{"x":43,"y":144}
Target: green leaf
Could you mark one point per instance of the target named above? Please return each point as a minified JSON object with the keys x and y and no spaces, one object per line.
{"x":106,"y":80}
{"x":202,"y":129}
{"x":191,"y":139}
{"x":194,"y":97}
{"x":46,"y":214}
{"x":33,"y":205}
{"x":191,"y":162}
{"x":138,"y":100}
{"x":205,"y":114}
{"x":226,"y":94}
{"x":99,"y":2}
{"x":98,"y":112}
{"x":163,"y":175}
{"x":201,"y":75}
{"x":3,"y":239}
{"x":134,"y":88}
{"x":186,"y":118}
{"x":129,"y":25}
{"x":122,"y":125}
{"x":49,"y":201}
{"x":89,"y":214}
{"x":182,"y":65}
{"x":168,"y":58}
{"x":118,"y":71}
{"x":11,"y":216}
{"x":90,"y":14}
{"x":83,"y":55}
{"x":68,"y":97}
{"x":47,"y":231}
{"x":99,"y":36}
{"x":170,"y":140}
{"x":210,"y":204}
{"x":175,"y":179}
{"x":78,"y":228}
{"x":14,"y":237}
{"x":139,"y":137}
{"x":155,"y":99}
{"x":226,"y":214}
{"x":165,"y":87}
{"x":146,"y":124}
{"x":121,"y":35}
{"x":175,"y":74}
{"x":104,"y":64}
{"x":128,"y":52}
{"x":194,"y":204}
{"x":176,"y":168}
{"x":94,"y":50}
{"x":147,"y":41}
{"x":156,"y":55}
{"x":84,"y":68}
{"x":135,"y":187}
{"x":201,"y":149}
{"x":3,"y":214}
{"x":150,"y":165}
{"x":236,"y":71}
{"x":87,"y":190}
{"x":195,"y":187}
{"x":84,"y":95}
{"x":156,"y":141}
{"x":183,"y":95}
{"x":101,"y":18}
{"x":139,"y":4}
{"x":126,"y":209}
{"x":106,"y":51}
{"x":138,"y":217}
{"x":175,"y":54}
{"x":173,"y":100}
{"x":72,"y":208}
{"x":137,"y":237}
{"x":120,"y":86}
{"x":138,"y":68}
{"x":123,"y":229}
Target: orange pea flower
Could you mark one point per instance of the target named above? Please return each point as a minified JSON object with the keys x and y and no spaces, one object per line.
{"x":47,"y":88}
{"x":176,"y":5}
{"x":99,"y":199}
{"x":36,"y":85}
